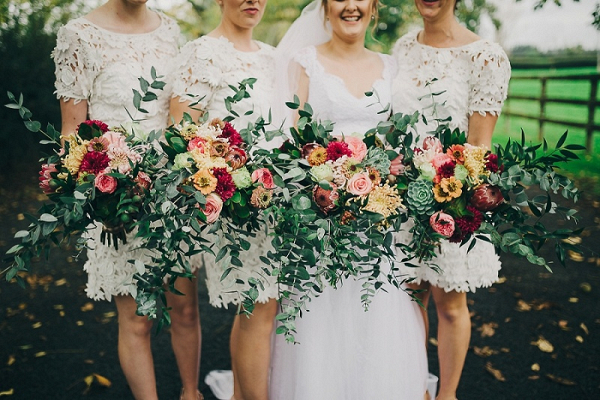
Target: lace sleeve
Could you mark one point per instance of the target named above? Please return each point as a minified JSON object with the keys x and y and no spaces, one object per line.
{"x":73,"y":71}
{"x":196,"y":75}
{"x":489,"y":80}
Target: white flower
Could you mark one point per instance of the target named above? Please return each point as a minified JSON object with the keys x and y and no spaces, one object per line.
{"x":135,"y":129}
{"x":427,"y":171}
{"x":181,"y":161}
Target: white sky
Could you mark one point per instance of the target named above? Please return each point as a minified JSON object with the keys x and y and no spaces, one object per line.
{"x":552,"y":27}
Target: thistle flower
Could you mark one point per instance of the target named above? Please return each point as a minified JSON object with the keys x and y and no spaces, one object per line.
{"x":384,"y":200}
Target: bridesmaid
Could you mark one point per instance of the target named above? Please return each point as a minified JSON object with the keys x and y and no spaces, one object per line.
{"x":472,"y":76}
{"x":204,"y":69}
{"x":99,"y":58}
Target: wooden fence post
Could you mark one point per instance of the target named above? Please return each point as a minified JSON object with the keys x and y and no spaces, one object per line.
{"x":542,"y":109}
{"x":589,"y":131}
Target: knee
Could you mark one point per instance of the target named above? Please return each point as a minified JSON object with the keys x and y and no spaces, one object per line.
{"x":135,"y":325}
{"x":453,"y":313}
{"x":262,"y":319}
{"x":185,"y":315}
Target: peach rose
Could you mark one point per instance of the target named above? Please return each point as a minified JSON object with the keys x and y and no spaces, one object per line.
{"x":198,"y":143}
{"x":360,"y":184}
{"x":356,"y":146}
{"x":105,"y":183}
{"x":264,"y":176}
{"x":212,"y":208}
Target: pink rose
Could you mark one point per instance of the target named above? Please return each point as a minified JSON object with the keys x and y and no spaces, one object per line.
{"x":440,"y":159}
{"x":442,"y":223}
{"x":432,"y":142}
{"x":105,"y":183}
{"x":212,"y":208}
{"x":115,"y":139}
{"x":198,"y":143}
{"x":356,"y":146}
{"x":264,"y":176}
{"x":487,"y":197}
{"x":360,"y":184}
{"x":396,"y":166}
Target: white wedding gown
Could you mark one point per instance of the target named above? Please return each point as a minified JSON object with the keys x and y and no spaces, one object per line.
{"x":345,"y":352}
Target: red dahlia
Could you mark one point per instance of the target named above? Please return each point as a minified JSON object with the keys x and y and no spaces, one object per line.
{"x":225,"y":186}
{"x":99,"y":124}
{"x":467,"y":224}
{"x":492,"y":163}
{"x":94,"y":162}
{"x":229,"y":133}
{"x":446,"y":170}
{"x":336,"y":150}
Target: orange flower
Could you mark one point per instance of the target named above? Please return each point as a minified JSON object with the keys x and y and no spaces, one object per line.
{"x":204,"y":181}
{"x":456,"y":152}
{"x":318,"y":156}
{"x":448,"y":189}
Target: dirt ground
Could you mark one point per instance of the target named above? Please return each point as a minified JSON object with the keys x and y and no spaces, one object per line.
{"x":535,"y":334}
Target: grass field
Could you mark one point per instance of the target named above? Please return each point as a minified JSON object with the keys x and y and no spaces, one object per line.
{"x":586,"y":170}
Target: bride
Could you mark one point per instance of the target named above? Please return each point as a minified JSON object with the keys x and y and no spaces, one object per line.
{"x":345,"y":353}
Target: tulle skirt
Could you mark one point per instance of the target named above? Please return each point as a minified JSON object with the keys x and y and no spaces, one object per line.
{"x":347,"y":353}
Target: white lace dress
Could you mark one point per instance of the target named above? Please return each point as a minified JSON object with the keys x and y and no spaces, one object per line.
{"x":204,"y":69}
{"x":345,"y":353}
{"x":102,"y":67}
{"x":472,"y":78}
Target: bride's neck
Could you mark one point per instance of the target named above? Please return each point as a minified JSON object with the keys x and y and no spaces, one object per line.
{"x":129,"y":13}
{"x":345,"y":50}
{"x":446,"y":30}
{"x":241,"y":38}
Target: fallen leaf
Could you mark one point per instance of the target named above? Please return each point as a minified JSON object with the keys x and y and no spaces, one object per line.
{"x":8,"y":392}
{"x":40,"y":354}
{"x":102,"y":380}
{"x":507,"y":319}
{"x":36,"y":325}
{"x":523,"y":306}
{"x":533,"y":377}
{"x":485,"y":351}
{"x":89,"y":306}
{"x":573,"y":300}
{"x":562,"y":324}
{"x":542,"y":306}
{"x":575,"y":256}
{"x":88,"y":381}
{"x":505,"y":350}
{"x":26,"y":347}
{"x":88,"y":361}
{"x":11,"y":360}
{"x":572,"y":240}
{"x":60,"y":282}
{"x":433,"y":341}
{"x":535,"y":367}
{"x":492,"y":290}
{"x":579,"y":339}
{"x":61,"y":313}
{"x":585,"y":287}
{"x":58,"y":307}
{"x":543,"y":345}
{"x":22,"y":306}
{"x":584,"y":328}
{"x":79,"y":323}
{"x":488,"y":330}
{"x":501,"y":280}
{"x":562,"y":381}
{"x":496,"y":373}
{"x":110,"y":314}
{"x":20,"y":217}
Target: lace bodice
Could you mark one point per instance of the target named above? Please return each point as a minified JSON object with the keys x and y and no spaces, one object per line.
{"x":473,"y":78}
{"x":331,"y":100}
{"x":103,"y":67}
{"x":207,"y":66}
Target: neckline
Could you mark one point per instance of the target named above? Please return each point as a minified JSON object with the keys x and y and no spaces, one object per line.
{"x":95,"y":25}
{"x":230,"y":43}
{"x":416,"y":40}
{"x":343,"y":83}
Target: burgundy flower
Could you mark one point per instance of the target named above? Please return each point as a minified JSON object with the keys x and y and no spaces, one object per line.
{"x":236,"y":158}
{"x":336,"y":150}
{"x":308,"y":148}
{"x":446,"y":170}
{"x":487,"y":197}
{"x":225,"y":186}
{"x":228,"y":132}
{"x":94,"y":162}
{"x":324,"y":198}
{"x":466,"y":225}
{"x":94,"y":122}
{"x":492,"y":163}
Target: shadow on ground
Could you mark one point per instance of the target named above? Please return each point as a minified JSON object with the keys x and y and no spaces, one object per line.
{"x":536,"y":335}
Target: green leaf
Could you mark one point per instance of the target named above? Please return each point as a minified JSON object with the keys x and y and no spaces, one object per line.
{"x":301,"y":203}
{"x":48,"y":218}
{"x":33,"y":126}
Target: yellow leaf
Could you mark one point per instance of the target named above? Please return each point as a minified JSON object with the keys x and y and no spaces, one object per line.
{"x":102,"y":380}
{"x":88,"y":361}
{"x":88,"y":381}
{"x":433,"y":341}
{"x":8,"y":392}
{"x":560,"y":380}
{"x":501,"y":279}
{"x":535,"y":367}
{"x":496,"y":373}
{"x":523,"y":306}
{"x":40,"y":354}
{"x":575,"y":256}
{"x":61,"y":313}
{"x":585,"y":287}
{"x":61,"y":282}
{"x":572,"y":240}
{"x":79,"y":323}
{"x":562,"y":324}
{"x":11,"y":360}
{"x":110,"y":314}
{"x":488,"y":330}
{"x":20,"y":217}
{"x":485,"y":351}
{"x":573,"y":300}
{"x":533,"y":377}
{"x":579,"y":339}
{"x":585,"y":329}
{"x":89,"y":306}
{"x":36,"y":325}
{"x":543,"y":345}
{"x":58,"y":307}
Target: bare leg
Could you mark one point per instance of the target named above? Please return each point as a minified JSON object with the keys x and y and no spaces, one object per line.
{"x":454,"y":335}
{"x":251,"y":352}
{"x":135,"y":353}
{"x":185,"y":334}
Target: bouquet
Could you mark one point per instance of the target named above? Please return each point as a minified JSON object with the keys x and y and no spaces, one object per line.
{"x":98,"y":175}
{"x":458,"y":192}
